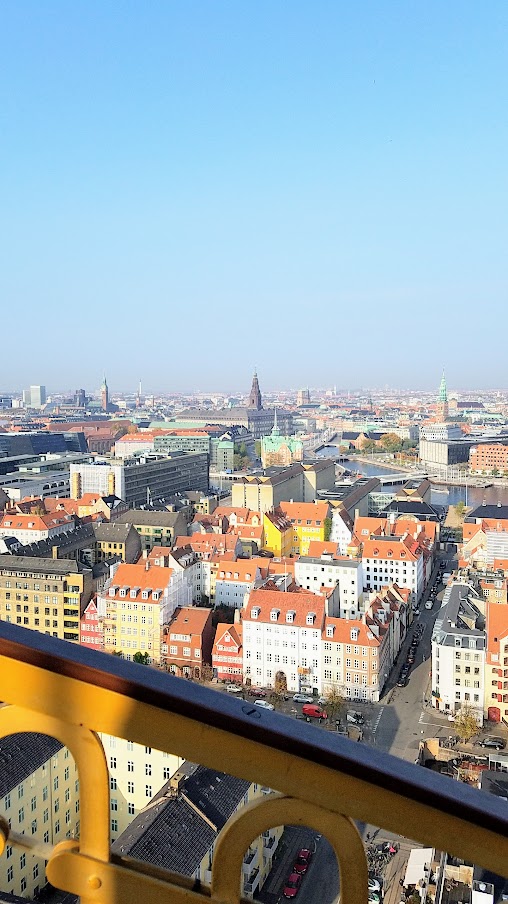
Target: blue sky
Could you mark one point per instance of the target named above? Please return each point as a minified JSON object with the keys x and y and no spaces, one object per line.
{"x":192,"y":189}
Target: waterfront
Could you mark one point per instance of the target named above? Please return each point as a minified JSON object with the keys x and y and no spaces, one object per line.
{"x":471,"y":496}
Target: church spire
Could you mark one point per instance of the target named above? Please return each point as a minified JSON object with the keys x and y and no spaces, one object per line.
{"x":255,"y":394}
{"x":443,"y":395}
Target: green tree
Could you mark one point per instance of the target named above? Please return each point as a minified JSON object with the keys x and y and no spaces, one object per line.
{"x":460,"y":509}
{"x":327,"y":526}
{"x":391,"y":442}
{"x":369,"y":446}
{"x":141,"y":658}
{"x":495,"y":472}
{"x":334,"y":702}
{"x":258,"y":448}
{"x":466,"y":723}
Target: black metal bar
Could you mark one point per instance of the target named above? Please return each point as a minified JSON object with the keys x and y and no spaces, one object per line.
{"x":239,"y":718}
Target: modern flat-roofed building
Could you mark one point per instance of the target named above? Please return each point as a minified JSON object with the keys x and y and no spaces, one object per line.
{"x":141,"y":478}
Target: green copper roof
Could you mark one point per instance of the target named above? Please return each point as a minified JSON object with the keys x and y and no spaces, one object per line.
{"x":443,"y":395}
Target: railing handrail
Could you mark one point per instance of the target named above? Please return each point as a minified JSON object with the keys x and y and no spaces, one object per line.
{"x":242,"y":719}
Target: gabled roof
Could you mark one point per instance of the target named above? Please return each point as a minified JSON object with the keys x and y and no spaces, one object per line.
{"x":302,"y":603}
{"x":305,"y":511}
{"x":232,"y":631}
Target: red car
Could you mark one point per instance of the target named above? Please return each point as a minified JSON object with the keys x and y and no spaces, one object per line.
{"x":292,"y":885}
{"x":257,"y":692}
{"x":302,"y":861}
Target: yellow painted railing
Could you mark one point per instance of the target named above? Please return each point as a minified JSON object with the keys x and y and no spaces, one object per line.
{"x":323,"y":781}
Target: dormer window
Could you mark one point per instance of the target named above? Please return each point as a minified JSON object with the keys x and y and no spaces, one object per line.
{"x":402,"y":554}
{"x":144,"y":594}
{"x":310,"y":618}
{"x":375,"y":552}
{"x":354,"y":633}
{"x":156,"y":595}
{"x":290,"y":617}
{"x":254,"y":612}
{"x":112,"y":591}
{"x":247,"y":576}
{"x":123,"y":592}
{"x":389,"y":553}
{"x":236,"y":575}
{"x":133,"y":593}
{"x":274,"y":614}
{"x":329,"y":630}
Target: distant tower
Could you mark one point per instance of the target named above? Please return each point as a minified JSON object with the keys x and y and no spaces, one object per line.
{"x":442,"y":401}
{"x":105,"y":396}
{"x":255,"y":395}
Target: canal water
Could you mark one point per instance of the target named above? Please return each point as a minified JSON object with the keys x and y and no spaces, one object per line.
{"x":475,"y":495}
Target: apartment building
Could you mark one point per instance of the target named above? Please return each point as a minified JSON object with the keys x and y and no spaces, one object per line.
{"x":187,"y":642}
{"x":495,"y":707}
{"x":136,"y":602}
{"x":181,"y":824}
{"x":327,"y":570}
{"x":155,"y":528}
{"x":393,"y":560}
{"x":31,"y":527}
{"x":310,"y":521}
{"x":46,"y":595}
{"x":39,"y":795}
{"x":282,"y":639}
{"x":459,"y":651}
{"x":235,"y":580}
{"x":227,"y":655}
{"x":278,"y":531}
{"x":358,"y":654}
{"x":486,"y":458}
{"x":136,"y":773}
{"x":342,"y":528}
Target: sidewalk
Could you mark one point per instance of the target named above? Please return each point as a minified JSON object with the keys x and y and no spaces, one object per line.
{"x":395,"y":870}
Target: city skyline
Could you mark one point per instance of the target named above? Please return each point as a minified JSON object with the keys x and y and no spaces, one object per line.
{"x":301,"y":190}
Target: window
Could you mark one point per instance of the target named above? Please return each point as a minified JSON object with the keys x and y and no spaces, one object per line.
{"x":148,"y":769}
{"x":130,"y":766}
{"x":20,"y":792}
{"x":114,"y":825}
{"x":7,"y":801}
{"x":21,"y":814}
{"x":130,"y":809}
{"x":130,"y":787}
{"x":148,"y":790}
{"x":112,"y":762}
{"x":114,"y":804}
{"x":10,"y":874}
{"x":22,"y":861}
{"x":112,"y":784}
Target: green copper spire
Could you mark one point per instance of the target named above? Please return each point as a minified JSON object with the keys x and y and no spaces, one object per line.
{"x":443,"y":395}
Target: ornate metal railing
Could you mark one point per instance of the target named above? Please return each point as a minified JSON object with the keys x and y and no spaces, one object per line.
{"x":323,"y":781}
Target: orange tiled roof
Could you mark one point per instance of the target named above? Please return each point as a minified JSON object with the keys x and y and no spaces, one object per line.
{"x":342,"y":632}
{"x":155,"y":577}
{"x":301,"y":603}
{"x":189,"y":620}
{"x":305,"y":511}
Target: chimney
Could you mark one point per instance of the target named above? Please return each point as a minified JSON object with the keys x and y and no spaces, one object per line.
{"x":147,"y":565}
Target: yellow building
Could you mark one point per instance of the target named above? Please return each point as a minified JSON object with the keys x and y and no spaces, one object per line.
{"x":39,"y":795}
{"x":130,"y":608}
{"x":309,"y":520}
{"x":44,"y":594}
{"x":136,"y":774}
{"x":278,"y":533}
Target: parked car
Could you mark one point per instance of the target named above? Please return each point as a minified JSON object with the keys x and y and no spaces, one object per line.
{"x":428,"y":604}
{"x":355,"y":718}
{"x":314,"y":711}
{"x":416,"y":612}
{"x":374,"y":897}
{"x":234,"y":688}
{"x":302,"y":698}
{"x":493,"y":743}
{"x":257,"y":692}
{"x":292,"y":885}
{"x":302,"y":861}
{"x":263,"y":704}
{"x":374,"y":884}
{"x":402,"y":680}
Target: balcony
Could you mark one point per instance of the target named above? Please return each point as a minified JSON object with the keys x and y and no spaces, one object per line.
{"x":323,"y":780}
